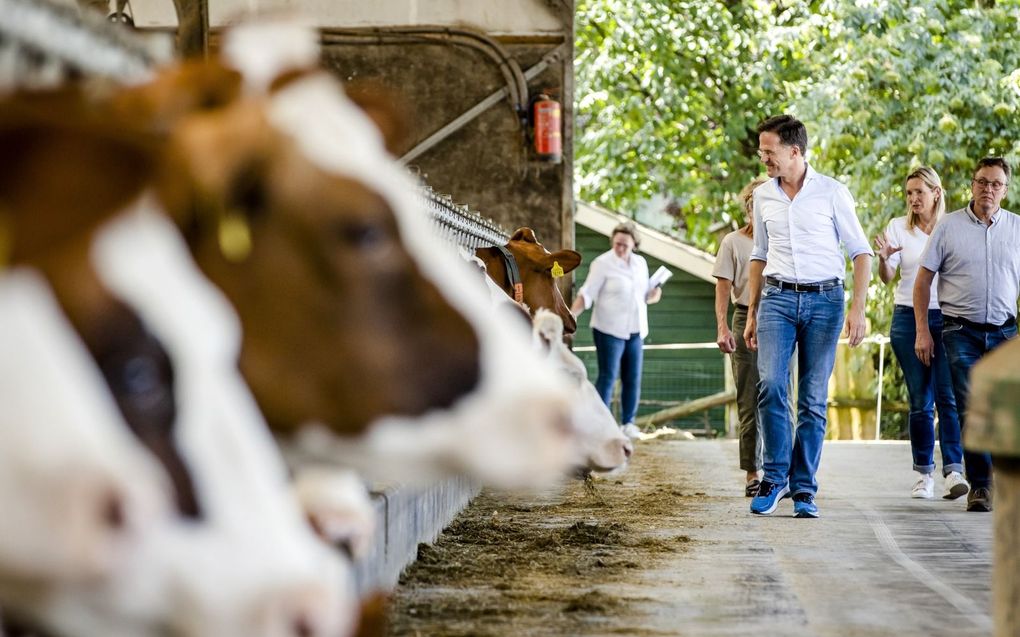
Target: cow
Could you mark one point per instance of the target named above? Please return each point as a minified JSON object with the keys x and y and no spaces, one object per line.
{"x":360,"y":324}
{"x":164,"y":343}
{"x":527,"y":273}
{"x":601,"y":447}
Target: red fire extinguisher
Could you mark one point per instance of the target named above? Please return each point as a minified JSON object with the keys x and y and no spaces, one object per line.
{"x":547,"y":129}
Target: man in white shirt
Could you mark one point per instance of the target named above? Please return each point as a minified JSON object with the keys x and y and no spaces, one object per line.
{"x":800,"y":219}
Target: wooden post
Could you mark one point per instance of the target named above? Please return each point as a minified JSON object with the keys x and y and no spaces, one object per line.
{"x":192,"y":28}
{"x":1006,"y":552}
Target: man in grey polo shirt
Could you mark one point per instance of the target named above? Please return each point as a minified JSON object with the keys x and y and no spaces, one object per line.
{"x":976,"y":253}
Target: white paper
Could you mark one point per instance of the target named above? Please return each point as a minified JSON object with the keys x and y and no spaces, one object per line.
{"x":661,"y":276}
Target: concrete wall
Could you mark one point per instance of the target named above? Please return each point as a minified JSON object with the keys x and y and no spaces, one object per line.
{"x":488,"y":164}
{"x":505,"y":17}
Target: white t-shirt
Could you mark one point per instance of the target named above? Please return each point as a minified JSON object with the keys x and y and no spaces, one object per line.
{"x":908,"y":260}
{"x":618,"y":290}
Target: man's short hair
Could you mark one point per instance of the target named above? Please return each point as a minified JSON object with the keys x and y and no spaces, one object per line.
{"x":791,"y":130}
{"x":985,"y":162}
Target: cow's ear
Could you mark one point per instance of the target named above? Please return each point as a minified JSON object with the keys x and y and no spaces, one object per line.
{"x":386,"y":109}
{"x":186,"y":88}
{"x":524,"y":234}
{"x":63,"y":170}
{"x":567,"y":259}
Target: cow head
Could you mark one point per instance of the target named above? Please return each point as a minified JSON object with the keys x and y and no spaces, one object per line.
{"x":76,"y":488}
{"x":535,"y":264}
{"x":340,"y":325}
{"x":601,"y":445}
{"x":120,"y":335}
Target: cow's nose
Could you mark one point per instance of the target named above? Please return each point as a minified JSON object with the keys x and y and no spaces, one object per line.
{"x":628,"y":448}
{"x":301,"y":626}
{"x":114,"y":511}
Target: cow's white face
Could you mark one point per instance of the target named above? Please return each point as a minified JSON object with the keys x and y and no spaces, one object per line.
{"x":205,"y":570}
{"x":601,"y":445}
{"x":76,"y":491}
{"x":513,"y":428}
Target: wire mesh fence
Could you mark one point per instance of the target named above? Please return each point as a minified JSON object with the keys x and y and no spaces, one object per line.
{"x":676,"y":373}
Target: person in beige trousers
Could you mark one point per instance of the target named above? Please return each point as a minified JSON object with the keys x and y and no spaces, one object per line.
{"x":730,"y":271}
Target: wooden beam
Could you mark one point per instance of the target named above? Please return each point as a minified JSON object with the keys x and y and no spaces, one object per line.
{"x":192,"y":28}
{"x":688,"y":408}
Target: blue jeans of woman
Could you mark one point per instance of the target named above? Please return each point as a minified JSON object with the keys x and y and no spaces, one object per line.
{"x":964,"y":347}
{"x":619,"y":358}
{"x":928,"y":388}
{"x":811,"y":321}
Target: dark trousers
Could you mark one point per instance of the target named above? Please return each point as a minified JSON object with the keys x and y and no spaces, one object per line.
{"x":745,"y":377}
{"x":964,"y":347}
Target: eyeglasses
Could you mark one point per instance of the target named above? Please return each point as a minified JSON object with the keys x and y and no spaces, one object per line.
{"x":994,"y":185}
{"x":766,"y":154}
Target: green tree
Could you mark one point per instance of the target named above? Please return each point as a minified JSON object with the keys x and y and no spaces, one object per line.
{"x":669,"y":94}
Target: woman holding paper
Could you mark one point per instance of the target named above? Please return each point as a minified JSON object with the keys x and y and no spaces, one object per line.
{"x":619,"y":287}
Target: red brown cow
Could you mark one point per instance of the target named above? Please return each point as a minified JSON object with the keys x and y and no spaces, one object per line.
{"x":535,"y":265}
{"x":356,"y":315}
{"x":162,"y":344}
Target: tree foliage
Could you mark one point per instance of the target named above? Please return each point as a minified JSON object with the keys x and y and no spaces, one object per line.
{"x":669,"y":94}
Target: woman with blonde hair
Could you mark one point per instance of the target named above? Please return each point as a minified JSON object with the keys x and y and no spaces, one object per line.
{"x":619,"y":288}
{"x":901,"y":246}
{"x":731,"y":273}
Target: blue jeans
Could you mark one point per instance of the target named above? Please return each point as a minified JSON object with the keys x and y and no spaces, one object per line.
{"x":964,"y":346}
{"x":616,"y":355}
{"x":927,"y":388}
{"x":811,"y":321}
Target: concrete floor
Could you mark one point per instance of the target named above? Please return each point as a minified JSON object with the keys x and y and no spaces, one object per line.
{"x":875,"y":563}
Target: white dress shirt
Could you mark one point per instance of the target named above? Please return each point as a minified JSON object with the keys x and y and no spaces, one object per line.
{"x":618,"y":289}
{"x":908,"y":259}
{"x":799,"y":239}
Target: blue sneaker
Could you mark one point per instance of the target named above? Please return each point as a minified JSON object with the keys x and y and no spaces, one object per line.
{"x":769,"y":495}
{"x":804,"y":506}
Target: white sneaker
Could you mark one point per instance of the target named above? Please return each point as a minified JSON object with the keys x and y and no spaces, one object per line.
{"x":924,"y":488}
{"x":631,"y":431}
{"x":956,"y":486}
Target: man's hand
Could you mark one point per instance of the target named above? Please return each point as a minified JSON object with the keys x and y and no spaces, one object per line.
{"x":751,"y":331}
{"x":724,"y":339}
{"x":856,"y":326}
{"x":924,"y":347}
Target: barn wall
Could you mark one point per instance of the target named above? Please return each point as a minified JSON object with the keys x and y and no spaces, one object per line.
{"x":488,"y":164}
{"x":686,"y":314}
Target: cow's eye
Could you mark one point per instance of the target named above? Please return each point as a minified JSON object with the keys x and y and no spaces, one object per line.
{"x":362,"y":235}
{"x":142,"y":376}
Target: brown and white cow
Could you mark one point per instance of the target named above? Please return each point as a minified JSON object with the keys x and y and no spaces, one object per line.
{"x":86,"y":231}
{"x":357,"y":317}
{"x":535,"y":265}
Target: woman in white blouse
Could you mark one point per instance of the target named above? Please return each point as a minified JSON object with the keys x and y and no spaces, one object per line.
{"x":901,"y":247}
{"x":618,"y":286}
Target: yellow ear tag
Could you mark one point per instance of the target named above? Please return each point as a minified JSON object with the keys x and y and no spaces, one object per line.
{"x":234,"y":237}
{"x":557,"y":270}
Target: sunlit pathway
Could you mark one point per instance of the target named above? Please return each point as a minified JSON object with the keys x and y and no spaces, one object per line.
{"x":875,"y":563}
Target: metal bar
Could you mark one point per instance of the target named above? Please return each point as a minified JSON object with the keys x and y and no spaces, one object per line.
{"x":472,"y":113}
{"x":878,"y":401}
